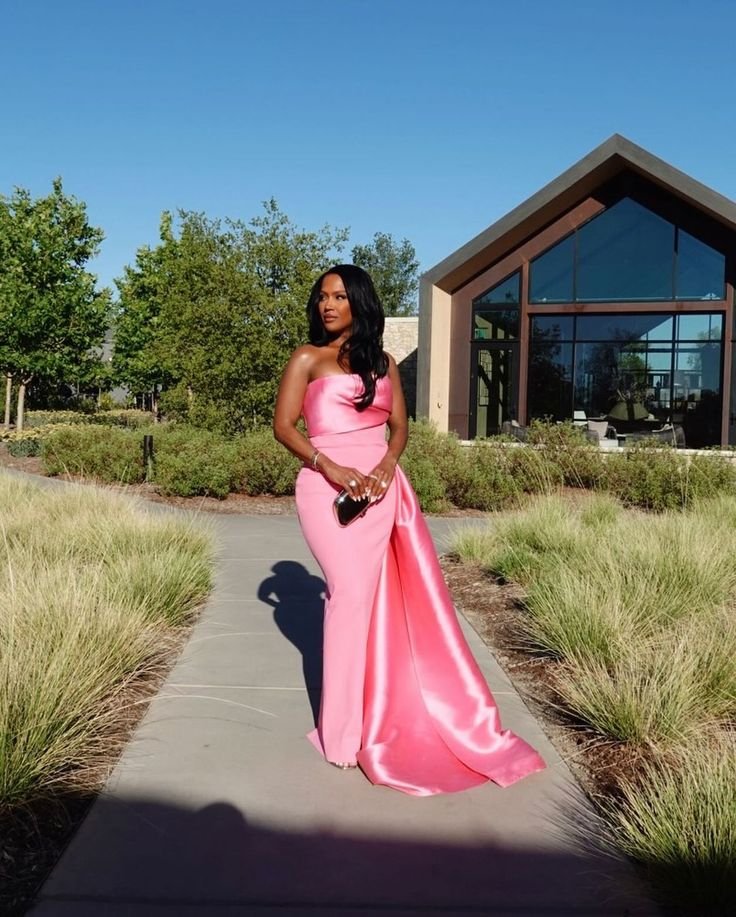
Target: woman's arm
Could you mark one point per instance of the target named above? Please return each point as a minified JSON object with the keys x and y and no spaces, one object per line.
{"x":398,"y":425}
{"x":289,"y":401}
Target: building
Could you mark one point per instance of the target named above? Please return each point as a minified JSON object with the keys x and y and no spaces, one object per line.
{"x":607,"y":294}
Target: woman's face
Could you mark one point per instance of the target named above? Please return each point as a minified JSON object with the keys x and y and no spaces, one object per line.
{"x":334,"y":306}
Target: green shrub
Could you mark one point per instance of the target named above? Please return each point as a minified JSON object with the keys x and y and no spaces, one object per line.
{"x":117,"y":417}
{"x":263,"y":466}
{"x":108,"y":454}
{"x":191,"y":462}
{"x":42,"y":418}
{"x":534,"y":471}
{"x":25,"y":446}
{"x":483,"y":481}
{"x":652,"y":478}
{"x":558,"y":435}
{"x":436,"y":465}
{"x":428,"y":485}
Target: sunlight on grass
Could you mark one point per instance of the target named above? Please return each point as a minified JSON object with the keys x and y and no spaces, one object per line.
{"x":638,"y":611}
{"x":90,"y":585}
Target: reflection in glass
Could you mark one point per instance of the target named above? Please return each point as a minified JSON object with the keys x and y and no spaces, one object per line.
{"x":701,"y":270}
{"x":637,"y":374}
{"x":625,"y":254}
{"x":551,"y":275}
{"x":506,"y":292}
{"x":553,"y":327}
{"x":700,"y":326}
{"x":495,"y":324}
{"x":696,"y":392}
{"x":655,"y":326}
{"x":494,"y":390}
{"x":550,"y":377}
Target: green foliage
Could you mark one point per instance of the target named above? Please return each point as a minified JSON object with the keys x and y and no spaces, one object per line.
{"x":117,"y":417}
{"x":109,"y":454}
{"x":436,"y":465}
{"x":24,"y":446}
{"x":263,"y":466}
{"x":52,"y":319}
{"x":658,"y":478}
{"x":427,"y":482}
{"x":395,"y":272}
{"x":190,"y":462}
{"x":214,"y":312}
{"x":483,"y":481}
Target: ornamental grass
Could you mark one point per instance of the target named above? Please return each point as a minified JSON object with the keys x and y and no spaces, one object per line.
{"x":635,"y":613}
{"x":92,"y":589}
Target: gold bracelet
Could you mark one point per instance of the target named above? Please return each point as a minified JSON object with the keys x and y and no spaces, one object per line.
{"x":313,"y":461}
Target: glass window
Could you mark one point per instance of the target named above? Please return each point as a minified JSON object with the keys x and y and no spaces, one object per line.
{"x":625,"y":254}
{"x":623,"y":327}
{"x":551,"y":274}
{"x":700,"y":326}
{"x":550,"y":379}
{"x":701,"y":270}
{"x":495,"y":324}
{"x":506,"y":293}
{"x":552,"y":327}
{"x":696,"y":392}
{"x":632,"y":370}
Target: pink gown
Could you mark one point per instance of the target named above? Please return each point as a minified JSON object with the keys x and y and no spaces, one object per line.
{"x":402,"y":694}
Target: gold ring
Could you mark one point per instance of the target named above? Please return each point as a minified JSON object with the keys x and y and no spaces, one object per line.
{"x":352,"y":483}
{"x":384,"y":484}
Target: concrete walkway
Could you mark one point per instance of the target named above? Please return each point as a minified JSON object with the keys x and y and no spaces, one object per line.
{"x":219,"y":806}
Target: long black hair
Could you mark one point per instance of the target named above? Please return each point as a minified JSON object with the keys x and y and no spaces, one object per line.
{"x":362,"y":352}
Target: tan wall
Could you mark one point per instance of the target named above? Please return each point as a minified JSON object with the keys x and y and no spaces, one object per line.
{"x":401,"y":340}
{"x":433,"y":371}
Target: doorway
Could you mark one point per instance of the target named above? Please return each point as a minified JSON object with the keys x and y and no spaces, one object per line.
{"x":493,"y":388}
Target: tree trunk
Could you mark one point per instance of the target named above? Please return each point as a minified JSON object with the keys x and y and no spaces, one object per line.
{"x":21,"y":412}
{"x":154,"y":405}
{"x":8,"y":398}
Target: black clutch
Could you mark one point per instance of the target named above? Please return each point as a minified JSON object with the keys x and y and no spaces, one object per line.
{"x":347,"y":509}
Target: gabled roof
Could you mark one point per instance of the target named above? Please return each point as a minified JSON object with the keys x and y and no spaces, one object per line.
{"x":602,"y":164}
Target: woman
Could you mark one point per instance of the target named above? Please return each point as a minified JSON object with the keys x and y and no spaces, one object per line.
{"x":402,"y":695}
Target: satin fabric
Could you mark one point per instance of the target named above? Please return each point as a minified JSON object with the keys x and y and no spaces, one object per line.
{"x":402,"y":693}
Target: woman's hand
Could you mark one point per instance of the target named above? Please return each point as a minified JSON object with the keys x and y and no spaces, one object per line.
{"x":380,"y":478}
{"x":346,"y":478}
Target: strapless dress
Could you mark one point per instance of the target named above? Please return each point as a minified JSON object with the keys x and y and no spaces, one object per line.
{"x":402,"y":695}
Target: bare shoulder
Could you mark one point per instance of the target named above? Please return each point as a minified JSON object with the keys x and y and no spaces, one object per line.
{"x":304,"y":358}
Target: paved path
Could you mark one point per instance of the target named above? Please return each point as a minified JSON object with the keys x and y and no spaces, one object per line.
{"x":219,"y":806}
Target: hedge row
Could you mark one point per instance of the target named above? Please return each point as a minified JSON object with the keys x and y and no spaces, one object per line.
{"x":116,"y":417}
{"x":188,"y":461}
{"x":488,"y":475}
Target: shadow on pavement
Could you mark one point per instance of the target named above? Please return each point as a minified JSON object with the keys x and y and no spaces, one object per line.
{"x":297,"y":599}
{"x":132,"y":856}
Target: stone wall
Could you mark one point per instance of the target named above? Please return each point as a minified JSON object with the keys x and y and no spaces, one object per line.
{"x":400,"y":339}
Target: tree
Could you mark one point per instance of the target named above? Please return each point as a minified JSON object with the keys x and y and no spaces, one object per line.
{"x":213,"y":313}
{"x":52,"y":319}
{"x":395,"y":272}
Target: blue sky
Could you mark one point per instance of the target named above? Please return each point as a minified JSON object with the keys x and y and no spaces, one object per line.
{"x":425,"y":119}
